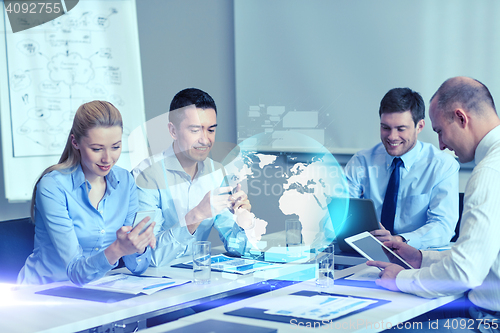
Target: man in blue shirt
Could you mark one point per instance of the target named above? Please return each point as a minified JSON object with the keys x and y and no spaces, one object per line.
{"x":426,"y":208}
{"x":184,"y":185}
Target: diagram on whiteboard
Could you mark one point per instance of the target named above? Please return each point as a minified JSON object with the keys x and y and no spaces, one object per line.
{"x":89,"y":53}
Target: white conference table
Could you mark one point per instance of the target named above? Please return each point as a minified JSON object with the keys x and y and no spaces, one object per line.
{"x":24,"y":311}
{"x":401,"y":307}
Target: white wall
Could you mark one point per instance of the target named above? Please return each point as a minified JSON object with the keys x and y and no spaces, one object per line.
{"x":321,"y":67}
{"x":184,"y":43}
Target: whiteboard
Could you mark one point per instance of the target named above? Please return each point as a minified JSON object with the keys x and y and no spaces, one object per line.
{"x":89,"y":53}
{"x":321,"y":67}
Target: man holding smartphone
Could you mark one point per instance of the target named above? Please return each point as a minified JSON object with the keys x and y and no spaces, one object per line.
{"x":185,"y":185}
{"x":463,"y":115}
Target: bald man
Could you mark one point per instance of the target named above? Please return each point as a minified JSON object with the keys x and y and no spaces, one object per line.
{"x":463,"y":115}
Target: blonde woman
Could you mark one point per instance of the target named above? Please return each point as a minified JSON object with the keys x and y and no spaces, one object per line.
{"x":83,"y":207}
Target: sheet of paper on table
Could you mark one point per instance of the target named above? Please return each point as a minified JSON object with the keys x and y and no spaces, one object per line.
{"x":319,"y":307}
{"x":135,"y":284}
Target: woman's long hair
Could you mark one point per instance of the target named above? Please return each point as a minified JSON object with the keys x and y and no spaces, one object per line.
{"x":88,"y":116}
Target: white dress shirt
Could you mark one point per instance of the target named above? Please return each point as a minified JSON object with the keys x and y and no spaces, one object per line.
{"x":164,"y":186}
{"x":473,"y":263}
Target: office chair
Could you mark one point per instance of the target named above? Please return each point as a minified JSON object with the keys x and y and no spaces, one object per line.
{"x":17,"y":239}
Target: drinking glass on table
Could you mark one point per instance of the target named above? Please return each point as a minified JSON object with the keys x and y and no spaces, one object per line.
{"x":325,"y":270}
{"x":202,"y":262}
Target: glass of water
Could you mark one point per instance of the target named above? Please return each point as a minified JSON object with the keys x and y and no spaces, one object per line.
{"x":202,"y":262}
{"x":325,"y":270}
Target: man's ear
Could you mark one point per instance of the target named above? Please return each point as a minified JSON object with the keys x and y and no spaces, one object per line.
{"x":172,"y":130}
{"x":462,"y":117}
{"x":420,"y":125}
{"x":74,"y":142}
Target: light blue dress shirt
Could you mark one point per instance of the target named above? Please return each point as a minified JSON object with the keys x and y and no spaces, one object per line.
{"x":71,"y":235}
{"x":427,"y":206}
{"x":164,"y":186}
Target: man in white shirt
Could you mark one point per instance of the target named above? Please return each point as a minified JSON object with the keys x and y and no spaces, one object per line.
{"x":188,"y":188}
{"x":463,"y":115}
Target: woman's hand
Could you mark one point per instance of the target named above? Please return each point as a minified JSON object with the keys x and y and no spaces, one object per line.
{"x":129,"y":241}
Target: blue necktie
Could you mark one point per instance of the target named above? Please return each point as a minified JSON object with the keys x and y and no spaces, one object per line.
{"x":391,"y":197}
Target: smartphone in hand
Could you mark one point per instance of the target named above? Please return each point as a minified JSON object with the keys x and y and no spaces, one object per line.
{"x":226,"y":183}
{"x":139,"y":216}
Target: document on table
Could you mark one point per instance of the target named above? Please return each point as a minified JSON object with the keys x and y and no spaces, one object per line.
{"x":319,"y":307}
{"x":134,"y":284}
{"x":227,"y":264}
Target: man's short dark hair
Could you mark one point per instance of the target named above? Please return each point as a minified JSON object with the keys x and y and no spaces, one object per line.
{"x":470,"y":95}
{"x":186,"y":97}
{"x":401,"y":100}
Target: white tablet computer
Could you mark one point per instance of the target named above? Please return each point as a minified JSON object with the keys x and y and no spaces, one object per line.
{"x":372,"y":249}
{"x":139,"y":216}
